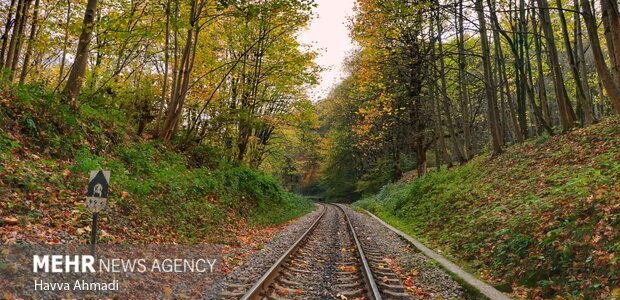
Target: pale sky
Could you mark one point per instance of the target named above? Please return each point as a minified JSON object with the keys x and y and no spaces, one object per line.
{"x":329,"y":35}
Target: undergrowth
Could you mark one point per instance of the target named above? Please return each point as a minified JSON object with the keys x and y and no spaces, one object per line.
{"x":158,"y":194}
{"x":540,"y":220}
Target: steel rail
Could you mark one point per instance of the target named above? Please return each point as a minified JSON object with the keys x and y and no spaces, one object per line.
{"x":267,"y":278}
{"x":368,"y":277}
{"x":467,"y":280}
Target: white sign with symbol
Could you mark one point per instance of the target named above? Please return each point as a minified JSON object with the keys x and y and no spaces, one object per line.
{"x":97,"y":193}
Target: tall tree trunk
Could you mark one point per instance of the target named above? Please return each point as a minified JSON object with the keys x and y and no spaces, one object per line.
{"x":519,"y":129}
{"x":78,"y":70}
{"x":420,"y":155}
{"x":612,"y":88}
{"x":518,"y":46}
{"x":20,"y":39}
{"x":542,"y":88}
{"x":164,"y":90}
{"x":580,"y":55}
{"x":489,"y":82}
{"x":526,"y":76}
{"x":516,"y":129}
{"x":65,"y":43}
{"x":13,"y":43}
{"x":444,"y":91}
{"x":31,"y":41}
{"x":5,"y":35}
{"x":507,"y":135}
{"x":181,"y":84}
{"x":439,"y":135}
{"x":611,"y":24}
{"x":438,"y":121}
{"x":567,"y":115}
{"x":579,"y":84}
{"x":98,"y":49}
{"x":464,"y":94}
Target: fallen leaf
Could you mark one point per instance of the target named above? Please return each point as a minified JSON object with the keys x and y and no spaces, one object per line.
{"x":10,"y":220}
{"x":167,"y":292}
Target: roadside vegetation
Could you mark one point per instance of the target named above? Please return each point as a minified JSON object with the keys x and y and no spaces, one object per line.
{"x":158,"y":192}
{"x":192,"y":105}
{"x":540,"y":220}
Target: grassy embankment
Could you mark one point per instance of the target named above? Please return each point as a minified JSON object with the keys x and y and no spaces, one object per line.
{"x":540,"y":220}
{"x":158,"y":194}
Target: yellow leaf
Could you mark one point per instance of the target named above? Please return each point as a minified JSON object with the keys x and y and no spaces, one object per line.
{"x":167,"y":292}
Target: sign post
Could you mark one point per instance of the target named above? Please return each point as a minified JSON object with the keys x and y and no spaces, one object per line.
{"x":96,"y":200}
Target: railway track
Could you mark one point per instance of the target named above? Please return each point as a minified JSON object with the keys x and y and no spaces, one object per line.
{"x":329,"y":261}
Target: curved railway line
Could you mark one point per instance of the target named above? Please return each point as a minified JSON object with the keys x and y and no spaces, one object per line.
{"x":329,"y":261}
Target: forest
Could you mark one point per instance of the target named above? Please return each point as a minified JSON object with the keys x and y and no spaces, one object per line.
{"x":223,"y":74}
{"x":438,"y":82}
{"x":189,"y":104}
{"x":487,"y":129}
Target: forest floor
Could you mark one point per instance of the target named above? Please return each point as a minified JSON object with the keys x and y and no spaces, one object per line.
{"x":157,"y":194}
{"x":539,"y":221}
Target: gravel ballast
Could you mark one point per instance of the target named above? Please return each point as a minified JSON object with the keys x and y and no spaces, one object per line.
{"x":423,"y":278}
{"x":258,"y":263}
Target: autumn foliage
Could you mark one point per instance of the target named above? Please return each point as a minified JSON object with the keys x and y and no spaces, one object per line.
{"x":540,"y":220}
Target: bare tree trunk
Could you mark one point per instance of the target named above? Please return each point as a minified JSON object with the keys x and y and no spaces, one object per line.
{"x":78,"y":70}
{"x":507,"y":135}
{"x":20,"y":39}
{"x":464,"y":94}
{"x":529,"y":86}
{"x":525,"y":74}
{"x":13,"y":43}
{"x":611,"y":23}
{"x":489,"y":82}
{"x":5,"y":34}
{"x":164,"y":90}
{"x":63,"y":59}
{"x":579,"y":84}
{"x":439,"y":135}
{"x":517,"y":115}
{"x":611,"y":87}
{"x":520,"y":38}
{"x":567,"y":115}
{"x":516,"y":129}
{"x":542,"y":89}
{"x":580,"y":56}
{"x":444,"y":90}
{"x":31,"y":40}
{"x":181,"y":84}
{"x":440,"y":141}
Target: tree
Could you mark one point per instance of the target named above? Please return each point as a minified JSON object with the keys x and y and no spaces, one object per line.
{"x":612,"y":88}
{"x":565,"y":109}
{"x":78,"y":70}
{"x":580,"y":86}
{"x":493,"y":115}
{"x":31,"y":41}
{"x":8,"y":23}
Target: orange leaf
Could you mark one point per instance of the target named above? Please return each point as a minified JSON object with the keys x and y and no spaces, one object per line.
{"x":167,"y":292}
